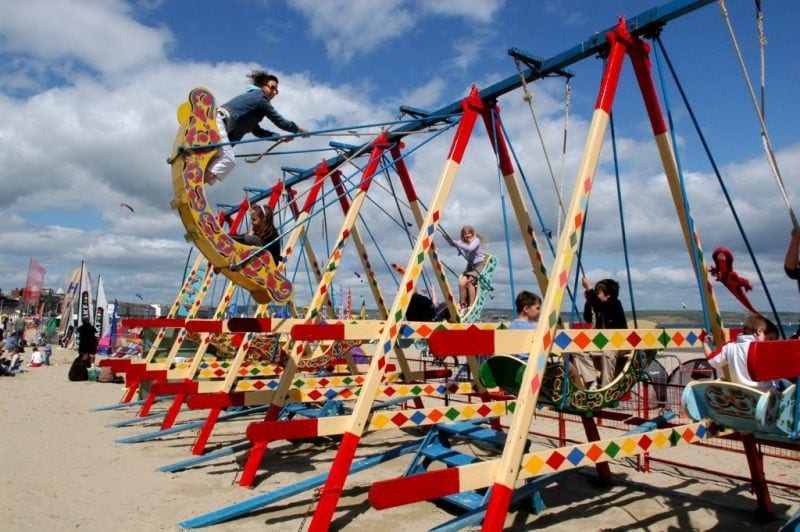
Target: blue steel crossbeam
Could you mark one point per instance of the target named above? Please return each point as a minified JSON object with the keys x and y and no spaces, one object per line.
{"x":645,"y":24}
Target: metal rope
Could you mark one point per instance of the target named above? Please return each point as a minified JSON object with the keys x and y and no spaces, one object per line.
{"x":528,"y":97}
{"x":715,"y":168}
{"x":773,"y":163}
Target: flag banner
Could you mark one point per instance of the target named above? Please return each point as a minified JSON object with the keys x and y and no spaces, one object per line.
{"x":113,"y":331}
{"x":86,"y":306}
{"x":34,"y":283}
{"x":69,"y":299}
{"x":101,"y":310}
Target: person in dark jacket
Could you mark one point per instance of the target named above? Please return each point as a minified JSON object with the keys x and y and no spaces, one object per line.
{"x":87,"y":338}
{"x":242,"y":115}
{"x":604,"y":310}
{"x":79,"y":370}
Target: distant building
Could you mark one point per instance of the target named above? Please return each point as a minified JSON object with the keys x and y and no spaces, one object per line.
{"x":137,"y":310}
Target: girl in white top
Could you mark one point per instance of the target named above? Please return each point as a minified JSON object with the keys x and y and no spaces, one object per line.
{"x":470,"y":244}
{"x":36,"y":357}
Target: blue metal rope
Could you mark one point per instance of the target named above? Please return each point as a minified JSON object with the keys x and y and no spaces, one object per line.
{"x":496,"y":116}
{"x":622,"y":218}
{"x":700,"y":275}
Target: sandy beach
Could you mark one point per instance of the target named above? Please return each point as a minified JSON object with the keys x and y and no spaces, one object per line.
{"x":63,"y":470}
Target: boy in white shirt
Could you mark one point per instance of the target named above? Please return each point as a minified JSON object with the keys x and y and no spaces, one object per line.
{"x":734,"y":354}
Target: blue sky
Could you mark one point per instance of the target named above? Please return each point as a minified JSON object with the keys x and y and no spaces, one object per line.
{"x":89,"y":91}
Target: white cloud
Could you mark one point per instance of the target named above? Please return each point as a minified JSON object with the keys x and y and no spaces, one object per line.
{"x":99,"y":35}
{"x":482,"y":11}
{"x":355,"y":30}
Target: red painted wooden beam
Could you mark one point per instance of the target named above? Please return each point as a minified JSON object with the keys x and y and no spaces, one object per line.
{"x":415,"y":488}
{"x":153,"y":323}
{"x":470,"y":341}
{"x":202,"y":401}
{"x":282,"y":430}
{"x":173,"y":388}
{"x":318,"y":331}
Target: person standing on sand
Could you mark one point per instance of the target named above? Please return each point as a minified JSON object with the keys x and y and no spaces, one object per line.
{"x":87,"y":338}
{"x":48,"y":352}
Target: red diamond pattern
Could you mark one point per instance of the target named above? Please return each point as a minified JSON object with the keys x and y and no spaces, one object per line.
{"x":399,"y":419}
{"x":555,"y":460}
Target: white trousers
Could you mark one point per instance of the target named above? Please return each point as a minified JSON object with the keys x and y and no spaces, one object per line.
{"x":224,"y":161}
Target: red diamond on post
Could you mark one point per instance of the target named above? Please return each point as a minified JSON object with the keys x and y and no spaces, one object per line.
{"x":399,"y":419}
{"x":555,"y":460}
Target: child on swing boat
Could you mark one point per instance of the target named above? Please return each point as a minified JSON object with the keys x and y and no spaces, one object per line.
{"x":734,"y":354}
{"x":604,"y":309}
{"x":241,"y":116}
{"x":262,"y":231}
{"x":470,"y":245}
{"x":529,"y":306}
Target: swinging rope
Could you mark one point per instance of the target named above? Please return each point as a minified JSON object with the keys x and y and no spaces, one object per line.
{"x":567,"y":104}
{"x":528,"y":97}
{"x":773,"y":163}
{"x":762,"y":48}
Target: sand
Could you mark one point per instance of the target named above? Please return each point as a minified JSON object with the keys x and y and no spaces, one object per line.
{"x":63,"y":470}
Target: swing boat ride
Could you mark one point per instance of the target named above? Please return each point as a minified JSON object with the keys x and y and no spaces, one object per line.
{"x":316,"y":374}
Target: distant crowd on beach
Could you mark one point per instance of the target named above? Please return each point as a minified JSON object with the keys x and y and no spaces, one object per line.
{"x":16,"y":354}
{"x":12,"y":349}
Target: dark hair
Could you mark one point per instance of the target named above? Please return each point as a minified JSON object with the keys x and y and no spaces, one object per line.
{"x":526,"y":299}
{"x":609,"y":287}
{"x":261,"y":77}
